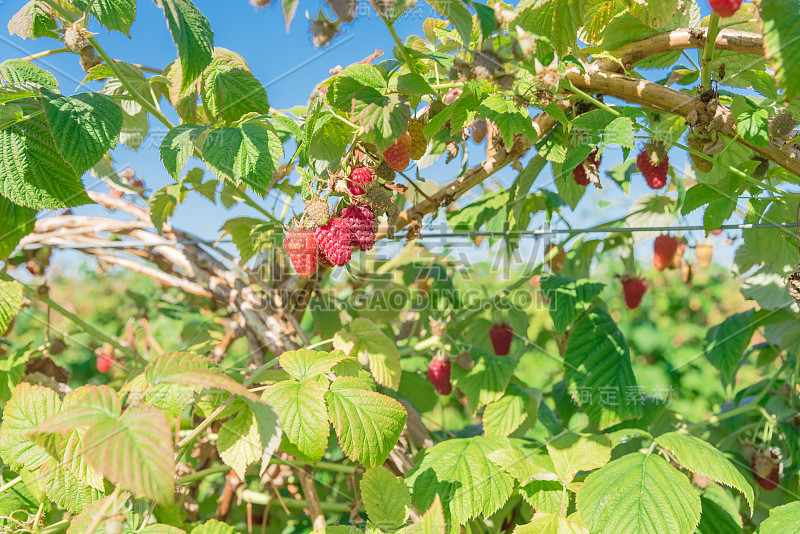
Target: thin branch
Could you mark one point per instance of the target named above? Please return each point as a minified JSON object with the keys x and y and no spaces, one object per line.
{"x":45,"y":53}
{"x":658,"y":97}
{"x":542,"y":124}
{"x":313,"y":507}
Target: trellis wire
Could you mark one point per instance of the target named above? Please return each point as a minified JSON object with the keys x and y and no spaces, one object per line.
{"x":442,"y":235}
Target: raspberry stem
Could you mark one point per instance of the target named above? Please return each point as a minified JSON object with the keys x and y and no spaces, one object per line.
{"x":708,"y":52}
{"x":400,"y":45}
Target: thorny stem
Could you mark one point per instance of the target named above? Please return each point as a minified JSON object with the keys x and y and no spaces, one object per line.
{"x":708,"y":52}
{"x":399,"y":42}
{"x":319,"y":466}
{"x":127,"y":84}
{"x":309,"y":487}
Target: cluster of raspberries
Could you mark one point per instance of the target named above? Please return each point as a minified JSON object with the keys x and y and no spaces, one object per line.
{"x":320,"y":240}
{"x":333,"y":239}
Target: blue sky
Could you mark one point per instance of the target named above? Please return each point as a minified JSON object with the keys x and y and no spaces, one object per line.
{"x":289,"y":66}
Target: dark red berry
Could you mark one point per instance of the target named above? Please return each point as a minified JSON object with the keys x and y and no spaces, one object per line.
{"x":654,"y":175}
{"x":439,"y":375}
{"x":333,"y":240}
{"x":766,"y":469}
{"x":579,"y":175}
{"x":301,"y":246}
{"x":664,"y":251}
{"x":359,"y":177}
{"x":501,"y":335}
{"x":582,"y":173}
{"x":633,"y":289}
{"x":361,"y":219}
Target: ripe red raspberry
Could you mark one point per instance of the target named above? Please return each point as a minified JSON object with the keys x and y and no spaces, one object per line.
{"x":419,"y":144}
{"x":664,"y":251}
{"x":725,"y":8}
{"x":359,"y":177}
{"x":104,"y":361}
{"x":633,"y":289}
{"x":501,"y":335}
{"x":655,"y":175}
{"x":361,"y":220}
{"x":301,"y":246}
{"x":333,"y":240}
{"x":398,"y":156}
{"x":439,"y":375}
{"x":766,"y":469}
{"x":582,"y":174}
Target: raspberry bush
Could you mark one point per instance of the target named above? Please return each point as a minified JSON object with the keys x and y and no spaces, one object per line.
{"x":389,"y":345}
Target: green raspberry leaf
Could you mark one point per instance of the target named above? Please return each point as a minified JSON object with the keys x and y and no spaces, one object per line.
{"x":246,"y":155}
{"x":459,"y":472}
{"x":597,"y":366}
{"x":701,"y":457}
{"x":364,"y":337}
{"x":33,"y":172}
{"x":84,"y":126}
{"x":782,"y":520}
{"x":19,"y":71}
{"x":368,"y":424}
{"x":10,"y":299}
{"x":304,"y":419}
{"x":303,"y":363}
{"x":631,"y":494}
{"x":508,"y":118}
{"x":486,"y":381}
{"x":252,"y":435}
{"x":192,"y":370}
{"x":115,"y":15}
{"x":135,"y":451}
{"x":178,"y":146}
{"x":28,"y":407}
{"x":781,"y":22}
{"x":192,"y":33}
{"x":385,"y":497}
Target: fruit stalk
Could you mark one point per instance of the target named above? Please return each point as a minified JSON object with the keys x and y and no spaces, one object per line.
{"x":708,"y":52}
